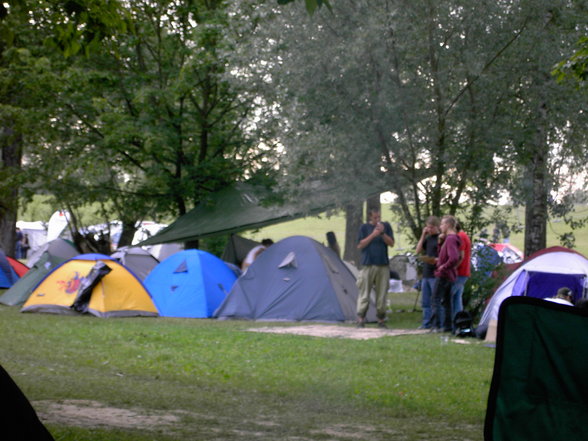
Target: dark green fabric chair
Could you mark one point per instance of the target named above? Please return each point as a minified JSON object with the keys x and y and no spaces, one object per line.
{"x":539,"y":388}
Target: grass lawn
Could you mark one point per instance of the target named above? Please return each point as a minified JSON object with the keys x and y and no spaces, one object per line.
{"x":189,"y":379}
{"x":138,"y":379}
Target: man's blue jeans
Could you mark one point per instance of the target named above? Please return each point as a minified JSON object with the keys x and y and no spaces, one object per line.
{"x":457,"y":296}
{"x":442,"y":304}
{"x":427,"y":288}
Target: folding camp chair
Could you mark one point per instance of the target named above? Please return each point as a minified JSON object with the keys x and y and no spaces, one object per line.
{"x":539,"y":388}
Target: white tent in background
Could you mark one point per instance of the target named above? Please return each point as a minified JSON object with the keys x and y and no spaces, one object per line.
{"x":159,"y":251}
{"x":36,"y":234}
{"x":57,"y":223}
{"x":164,"y":250}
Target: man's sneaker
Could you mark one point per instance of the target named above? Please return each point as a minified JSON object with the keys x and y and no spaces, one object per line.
{"x":382,"y":325}
{"x":360,"y":324}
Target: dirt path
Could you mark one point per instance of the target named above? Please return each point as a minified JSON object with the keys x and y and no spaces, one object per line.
{"x":93,"y":414}
{"x":88,"y":413}
{"x":334,"y":331}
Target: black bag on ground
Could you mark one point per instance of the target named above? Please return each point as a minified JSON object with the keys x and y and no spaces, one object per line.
{"x":463,"y":324}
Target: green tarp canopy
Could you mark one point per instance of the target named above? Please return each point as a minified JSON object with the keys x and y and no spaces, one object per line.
{"x":539,"y":388}
{"x":239,"y":208}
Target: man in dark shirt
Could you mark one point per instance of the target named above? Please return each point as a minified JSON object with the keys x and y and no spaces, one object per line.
{"x":428,"y":245}
{"x":374,"y":238}
{"x":18,"y":244}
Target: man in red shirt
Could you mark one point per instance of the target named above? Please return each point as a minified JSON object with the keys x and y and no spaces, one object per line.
{"x":463,"y":272}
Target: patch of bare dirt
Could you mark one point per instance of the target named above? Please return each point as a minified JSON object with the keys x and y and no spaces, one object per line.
{"x":93,"y":414}
{"x":334,"y":331}
{"x":88,"y":413}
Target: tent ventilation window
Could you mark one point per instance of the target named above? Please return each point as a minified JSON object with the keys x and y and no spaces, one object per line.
{"x":182,"y":268}
{"x":289,"y":261}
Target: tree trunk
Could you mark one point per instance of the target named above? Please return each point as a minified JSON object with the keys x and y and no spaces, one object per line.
{"x":353,"y":220}
{"x":7,"y":229}
{"x":11,"y":149}
{"x":536,"y":210}
{"x":535,"y":224}
{"x":127,"y":234}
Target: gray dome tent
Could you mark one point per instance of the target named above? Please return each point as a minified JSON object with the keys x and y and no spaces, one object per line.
{"x":138,"y":260}
{"x":295,"y":279}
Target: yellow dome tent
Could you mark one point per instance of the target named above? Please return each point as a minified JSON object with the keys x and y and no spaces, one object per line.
{"x":92,"y":283}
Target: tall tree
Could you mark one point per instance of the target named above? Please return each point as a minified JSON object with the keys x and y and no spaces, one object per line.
{"x":148,"y":122}
{"x":409,"y":96}
{"x":32,"y":32}
{"x":380,"y":94}
{"x":546,"y":134}
{"x":13,"y":60}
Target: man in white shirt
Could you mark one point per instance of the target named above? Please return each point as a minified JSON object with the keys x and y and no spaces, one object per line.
{"x":564,"y":296}
{"x":254,"y":252}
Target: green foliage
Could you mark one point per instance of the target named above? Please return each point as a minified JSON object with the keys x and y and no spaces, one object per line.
{"x":317,"y":227}
{"x":144,"y":108}
{"x":214,"y":245}
{"x":565,"y":209}
{"x":82,"y":25}
{"x":480,"y":287}
{"x":38,"y":208}
{"x":575,"y":68}
{"x":138,"y":119}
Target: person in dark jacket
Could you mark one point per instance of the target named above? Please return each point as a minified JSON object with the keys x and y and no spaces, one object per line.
{"x":428,"y":245}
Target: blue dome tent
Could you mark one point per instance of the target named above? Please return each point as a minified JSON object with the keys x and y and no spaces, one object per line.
{"x":189,"y":283}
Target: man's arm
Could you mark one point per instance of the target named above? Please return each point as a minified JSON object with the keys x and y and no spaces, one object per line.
{"x":421,"y":245}
{"x":378,"y":229}
{"x":388,"y":240}
{"x":461,"y":256}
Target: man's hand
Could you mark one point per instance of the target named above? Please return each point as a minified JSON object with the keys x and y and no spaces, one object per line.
{"x":379,"y":228}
